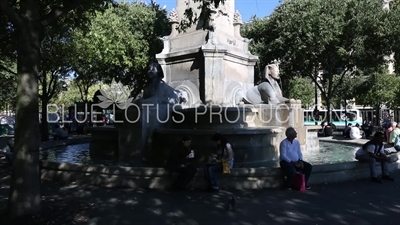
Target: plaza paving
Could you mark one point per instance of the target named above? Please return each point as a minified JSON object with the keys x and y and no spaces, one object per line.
{"x":356,"y":202}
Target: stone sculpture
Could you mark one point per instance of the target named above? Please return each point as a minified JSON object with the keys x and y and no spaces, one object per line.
{"x":157,"y":91}
{"x":173,"y":16}
{"x":268,"y":91}
{"x":237,"y":18}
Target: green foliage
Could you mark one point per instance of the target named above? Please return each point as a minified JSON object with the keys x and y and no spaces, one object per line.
{"x":301,"y":88}
{"x":119,"y":43}
{"x":258,"y":29}
{"x":54,"y":62}
{"x":337,"y":37}
{"x":394,"y":28}
{"x":8,"y":87}
{"x":72,"y":94}
{"x":347,"y":91}
{"x":379,"y":89}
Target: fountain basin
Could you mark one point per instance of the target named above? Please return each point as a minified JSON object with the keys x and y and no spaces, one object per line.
{"x":250,"y":145}
{"x":104,"y":142}
{"x":159,"y":178}
{"x":140,"y":176}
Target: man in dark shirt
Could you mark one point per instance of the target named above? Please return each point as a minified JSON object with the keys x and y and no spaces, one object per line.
{"x":346,"y":131}
{"x":181,"y":162}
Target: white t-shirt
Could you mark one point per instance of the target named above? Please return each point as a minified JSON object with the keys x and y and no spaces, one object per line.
{"x":370,"y":149}
{"x":355,"y":133}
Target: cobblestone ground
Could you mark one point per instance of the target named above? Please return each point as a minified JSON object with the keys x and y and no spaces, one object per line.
{"x":357,"y":202}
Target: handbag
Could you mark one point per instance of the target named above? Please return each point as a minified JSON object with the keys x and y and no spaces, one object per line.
{"x":299,"y":183}
{"x":225,"y":167}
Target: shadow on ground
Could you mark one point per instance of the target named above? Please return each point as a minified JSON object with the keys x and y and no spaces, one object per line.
{"x":358,"y":202}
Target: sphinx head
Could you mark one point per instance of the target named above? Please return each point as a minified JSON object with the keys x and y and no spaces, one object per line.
{"x":272,"y":70}
{"x":154,"y":71}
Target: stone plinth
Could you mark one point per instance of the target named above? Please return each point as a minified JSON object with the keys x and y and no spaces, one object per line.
{"x":286,"y":114}
{"x":242,"y":116}
{"x":262,"y":116}
{"x":312,"y":139}
{"x":212,"y":65}
{"x":136,"y":125}
{"x":214,"y":117}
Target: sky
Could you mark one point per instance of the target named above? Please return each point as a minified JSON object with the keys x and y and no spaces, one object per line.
{"x":247,"y":8}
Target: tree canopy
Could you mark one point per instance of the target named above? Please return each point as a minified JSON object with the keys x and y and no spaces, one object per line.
{"x":119,"y":43}
{"x":340,"y":38}
{"x":379,"y":89}
{"x":24,"y":25}
{"x":301,"y":88}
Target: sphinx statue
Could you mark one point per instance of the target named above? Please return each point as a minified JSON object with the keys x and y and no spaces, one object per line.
{"x":268,"y":91}
{"x":157,"y":91}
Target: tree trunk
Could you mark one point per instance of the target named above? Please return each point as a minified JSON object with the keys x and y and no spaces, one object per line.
{"x":25,"y":198}
{"x":328,"y":110}
{"x":378,"y":115}
{"x":44,"y":126}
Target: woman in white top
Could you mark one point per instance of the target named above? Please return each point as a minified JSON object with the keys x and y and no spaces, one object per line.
{"x":224,"y":151}
{"x":355,"y":132}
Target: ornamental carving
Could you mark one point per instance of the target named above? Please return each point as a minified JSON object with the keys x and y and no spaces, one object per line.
{"x":174,"y":16}
{"x":237,"y":18}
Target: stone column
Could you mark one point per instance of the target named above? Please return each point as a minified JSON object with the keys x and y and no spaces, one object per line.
{"x":237,"y":23}
{"x":174,"y":21}
{"x":214,"y":78}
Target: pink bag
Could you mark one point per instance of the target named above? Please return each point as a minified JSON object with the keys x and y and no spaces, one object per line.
{"x":299,"y":183}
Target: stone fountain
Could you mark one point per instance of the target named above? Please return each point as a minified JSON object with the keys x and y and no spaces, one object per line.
{"x":202,"y":84}
{"x":213,"y":71}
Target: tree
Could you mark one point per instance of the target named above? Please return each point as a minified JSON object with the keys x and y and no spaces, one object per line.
{"x":29,"y":21}
{"x":257,"y":29}
{"x":347,"y":91}
{"x":55,"y":55}
{"x":71,"y":94}
{"x":7,"y":45}
{"x":300,"y":88}
{"x":83,"y":84}
{"x":119,"y":43}
{"x":380,"y":89}
{"x":394,"y":18}
{"x":8,"y":87}
{"x":340,"y":38}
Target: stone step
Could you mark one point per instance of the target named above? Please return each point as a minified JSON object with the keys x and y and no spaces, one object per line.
{"x":159,"y":178}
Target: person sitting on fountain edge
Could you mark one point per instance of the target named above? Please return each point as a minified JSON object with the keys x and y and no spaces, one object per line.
{"x":214,"y":166}
{"x":181,"y":162}
{"x":372,"y":152}
{"x":291,"y":158}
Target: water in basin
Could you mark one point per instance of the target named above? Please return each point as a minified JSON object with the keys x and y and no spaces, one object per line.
{"x":77,"y":154}
{"x":328,"y":153}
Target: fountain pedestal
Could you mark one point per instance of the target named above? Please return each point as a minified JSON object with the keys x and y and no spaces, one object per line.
{"x":255,"y":132}
{"x":211,"y":65}
{"x":136,"y":124}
